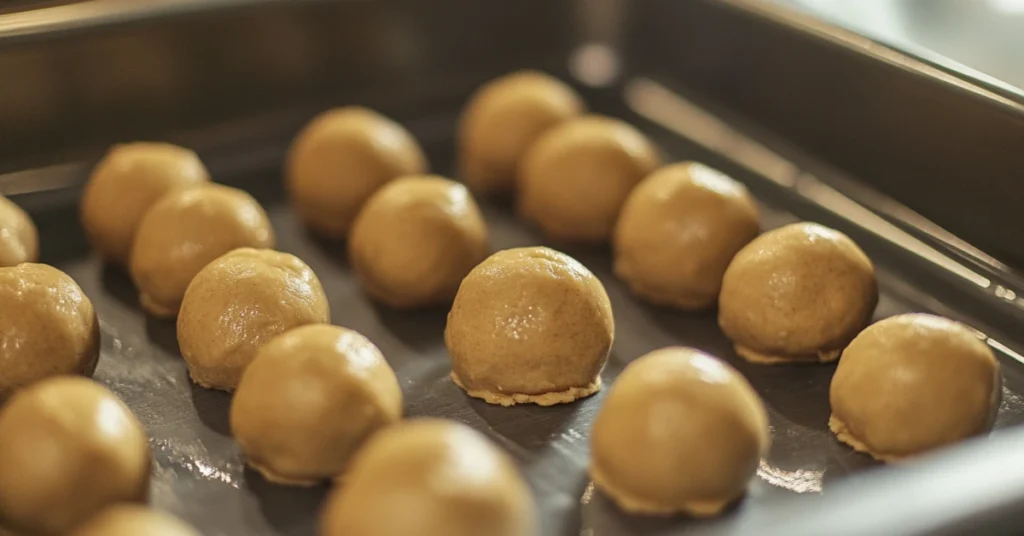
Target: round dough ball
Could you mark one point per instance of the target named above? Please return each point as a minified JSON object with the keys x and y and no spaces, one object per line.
{"x":574,"y":180}
{"x":912,"y":383}
{"x":529,"y":325}
{"x":416,"y":239}
{"x":798,"y":293}
{"x":70,"y":448}
{"x":429,"y":477}
{"x":123,"y":187}
{"x":679,"y":230}
{"x":680,"y":432}
{"x":48,"y":327}
{"x":237,"y":303}
{"x":311,"y":397}
{"x":134,"y":520}
{"x":19,"y":240}
{"x":503,"y":119}
{"x":340,"y":159}
{"x":185,"y":231}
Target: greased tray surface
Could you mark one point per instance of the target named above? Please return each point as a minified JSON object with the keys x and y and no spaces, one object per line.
{"x":200,"y":475}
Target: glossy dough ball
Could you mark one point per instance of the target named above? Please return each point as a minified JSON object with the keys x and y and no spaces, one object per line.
{"x":912,"y":383}
{"x":126,"y":184}
{"x":529,"y":325}
{"x":311,"y":397}
{"x":340,"y":159}
{"x":415,"y":240}
{"x":184,"y":232}
{"x":19,"y":240}
{"x":133,"y":520}
{"x":430,"y":477}
{"x":502,"y":120}
{"x":679,"y":230}
{"x":69,"y":449}
{"x":574,"y":180}
{"x":680,"y":432}
{"x":798,"y":293}
{"x":47,"y":327}
{"x":239,"y":302}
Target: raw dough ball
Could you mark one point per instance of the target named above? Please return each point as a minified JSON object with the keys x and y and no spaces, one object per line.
{"x":123,"y":187}
{"x":574,"y":180}
{"x":236,"y":304}
{"x":134,"y":520}
{"x":912,"y":383}
{"x":19,"y":241}
{"x":416,"y":239}
{"x":311,"y":397}
{"x":47,"y":327}
{"x":340,"y":159}
{"x":503,"y":119}
{"x":678,"y":231}
{"x":529,"y":325}
{"x":798,"y":293}
{"x":184,"y":232}
{"x":680,"y":432}
{"x":69,"y":449}
{"x":430,"y":477}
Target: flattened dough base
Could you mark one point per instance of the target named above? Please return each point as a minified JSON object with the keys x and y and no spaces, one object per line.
{"x":635,"y":505}
{"x":275,"y":478}
{"x":843,"y":434}
{"x":545,"y":399}
{"x":156,"y":309}
{"x":214,"y":378}
{"x":765,"y":359}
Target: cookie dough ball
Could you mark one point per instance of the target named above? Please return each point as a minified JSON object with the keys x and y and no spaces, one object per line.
{"x":311,"y":397}
{"x":134,"y":520}
{"x":19,"y":240}
{"x":798,"y":293}
{"x":912,"y":383}
{"x":415,"y":240}
{"x":340,"y":159}
{"x":126,"y":184}
{"x":236,"y":304}
{"x":70,"y":448}
{"x":574,"y":180}
{"x":679,"y":230}
{"x":502,"y":120}
{"x":439,"y":477}
{"x":529,"y":325}
{"x":680,"y":432}
{"x":48,"y":327}
{"x":184,"y":232}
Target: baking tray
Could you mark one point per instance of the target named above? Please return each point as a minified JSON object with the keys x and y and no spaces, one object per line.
{"x":809,"y":484}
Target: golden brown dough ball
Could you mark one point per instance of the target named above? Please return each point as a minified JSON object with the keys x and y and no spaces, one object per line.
{"x":70,"y":448}
{"x":19,"y":240}
{"x":912,"y":383}
{"x":48,"y":327}
{"x":134,"y":520}
{"x":123,"y":187}
{"x":574,"y":180}
{"x":237,"y":303}
{"x":429,"y":477}
{"x":529,"y":325}
{"x":680,"y":432}
{"x":801,"y":292}
{"x":415,"y":240}
{"x":679,"y":230}
{"x":184,"y":232}
{"x":340,"y":159}
{"x":502,"y":120}
{"x":309,"y":400}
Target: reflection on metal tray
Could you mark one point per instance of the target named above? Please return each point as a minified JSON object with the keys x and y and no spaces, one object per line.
{"x":213,"y":88}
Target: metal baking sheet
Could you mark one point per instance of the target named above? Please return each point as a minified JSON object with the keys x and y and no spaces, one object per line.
{"x":200,"y":475}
